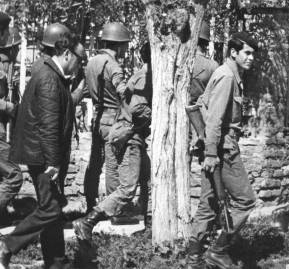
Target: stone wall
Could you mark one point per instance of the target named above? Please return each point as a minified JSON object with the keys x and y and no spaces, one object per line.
{"x":267,"y":163}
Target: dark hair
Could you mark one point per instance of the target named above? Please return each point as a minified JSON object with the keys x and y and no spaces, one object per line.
{"x":111,"y":44}
{"x":47,"y":50}
{"x":67,"y":41}
{"x":203,"y":43}
{"x":234,"y":44}
{"x":237,"y":42}
{"x":145,"y":52}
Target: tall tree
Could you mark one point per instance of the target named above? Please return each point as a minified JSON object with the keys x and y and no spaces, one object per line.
{"x":173,"y":28}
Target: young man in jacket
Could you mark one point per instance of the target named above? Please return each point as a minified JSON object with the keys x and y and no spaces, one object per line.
{"x":42,"y":141}
{"x":222,"y":107}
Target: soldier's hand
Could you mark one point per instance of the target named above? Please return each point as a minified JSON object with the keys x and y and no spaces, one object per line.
{"x":81,"y":84}
{"x":53,"y":172}
{"x":210,"y":163}
{"x":10,"y":109}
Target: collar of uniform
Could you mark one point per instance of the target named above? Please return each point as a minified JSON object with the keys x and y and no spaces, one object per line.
{"x":53,"y":65}
{"x":55,"y":60}
{"x":111,"y":53}
{"x":233,"y":66}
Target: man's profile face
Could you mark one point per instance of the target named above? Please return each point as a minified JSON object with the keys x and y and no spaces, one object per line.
{"x":245,"y":57}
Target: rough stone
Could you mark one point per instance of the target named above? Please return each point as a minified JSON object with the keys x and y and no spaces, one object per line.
{"x":285,"y":182}
{"x":270,"y":184}
{"x":265,"y":194}
{"x":272,"y":164}
{"x":72,"y":169}
{"x":255,"y":174}
{"x":285,"y":171}
{"x":276,"y":193}
{"x":196,"y":192}
{"x":278,"y":173}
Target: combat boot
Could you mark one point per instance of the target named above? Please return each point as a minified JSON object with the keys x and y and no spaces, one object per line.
{"x":5,"y":255}
{"x":60,"y":263}
{"x":217,"y":255}
{"x":83,"y":226}
{"x":195,"y":257}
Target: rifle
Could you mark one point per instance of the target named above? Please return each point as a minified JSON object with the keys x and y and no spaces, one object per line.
{"x":196,"y":119}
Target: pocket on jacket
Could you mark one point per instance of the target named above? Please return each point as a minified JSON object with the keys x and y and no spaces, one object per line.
{"x":237,"y":109}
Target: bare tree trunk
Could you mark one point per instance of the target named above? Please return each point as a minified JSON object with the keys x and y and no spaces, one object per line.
{"x":172,"y":61}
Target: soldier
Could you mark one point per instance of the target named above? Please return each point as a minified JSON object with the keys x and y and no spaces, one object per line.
{"x":135,"y":110}
{"x":221,"y":104}
{"x":11,"y":176}
{"x":47,"y":104}
{"x":52,"y":33}
{"x":105,"y":80}
{"x":203,"y":66}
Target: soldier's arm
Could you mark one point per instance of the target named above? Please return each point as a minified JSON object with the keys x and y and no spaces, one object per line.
{"x":79,"y":92}
{"x":117,"y":78}
{"x":220,"y":97}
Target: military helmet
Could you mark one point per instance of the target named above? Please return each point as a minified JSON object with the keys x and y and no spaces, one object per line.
{"x":53,"y":33}
{"x":10,"y":38}
{"x":205,"y":31}
{"x":116,"y":32}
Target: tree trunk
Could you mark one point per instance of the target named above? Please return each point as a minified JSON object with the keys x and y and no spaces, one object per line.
{"x":171,"y":64}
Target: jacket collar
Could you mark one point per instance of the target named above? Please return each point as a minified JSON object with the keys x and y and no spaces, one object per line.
{"x":110,"y":52}
{"x":233,"y":66}
{"x":55,"y":68}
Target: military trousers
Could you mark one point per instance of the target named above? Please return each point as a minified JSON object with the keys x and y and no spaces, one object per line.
{"x":11,"y":177}
{"x":100,"y":152}
{"x":128,"y":171}
{"x":237,"y":185}
{"x":46,"y":220}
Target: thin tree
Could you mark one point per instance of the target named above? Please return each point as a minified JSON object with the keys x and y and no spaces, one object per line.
{"x":173,"y":28}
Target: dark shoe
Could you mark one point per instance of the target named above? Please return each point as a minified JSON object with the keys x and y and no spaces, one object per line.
{"x":195,"y":262}
{"x":83,"y":226}
{"x":217,"y":255}
{"x":5,"y":255}
{"x":60,"y":263}
{"x":220,"y":259}
{"x":195,"y":258}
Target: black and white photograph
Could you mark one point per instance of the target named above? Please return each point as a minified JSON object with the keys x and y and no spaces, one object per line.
{"x":144,"y":134}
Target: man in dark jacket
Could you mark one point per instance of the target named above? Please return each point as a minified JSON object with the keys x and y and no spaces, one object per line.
{"x":42,"y":141}
{"x":136,"y":110}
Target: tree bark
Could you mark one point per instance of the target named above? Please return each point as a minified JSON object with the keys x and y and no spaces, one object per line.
{"x":172,"y":62}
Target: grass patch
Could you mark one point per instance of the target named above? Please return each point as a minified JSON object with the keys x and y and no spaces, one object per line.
{"x":259,"y":246}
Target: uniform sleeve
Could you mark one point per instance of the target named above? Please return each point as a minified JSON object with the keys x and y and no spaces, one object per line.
{"x":139,"y":105}
{"x":218,"y":103}
{"x":117,"y":79}
{"x":48,"y":108}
